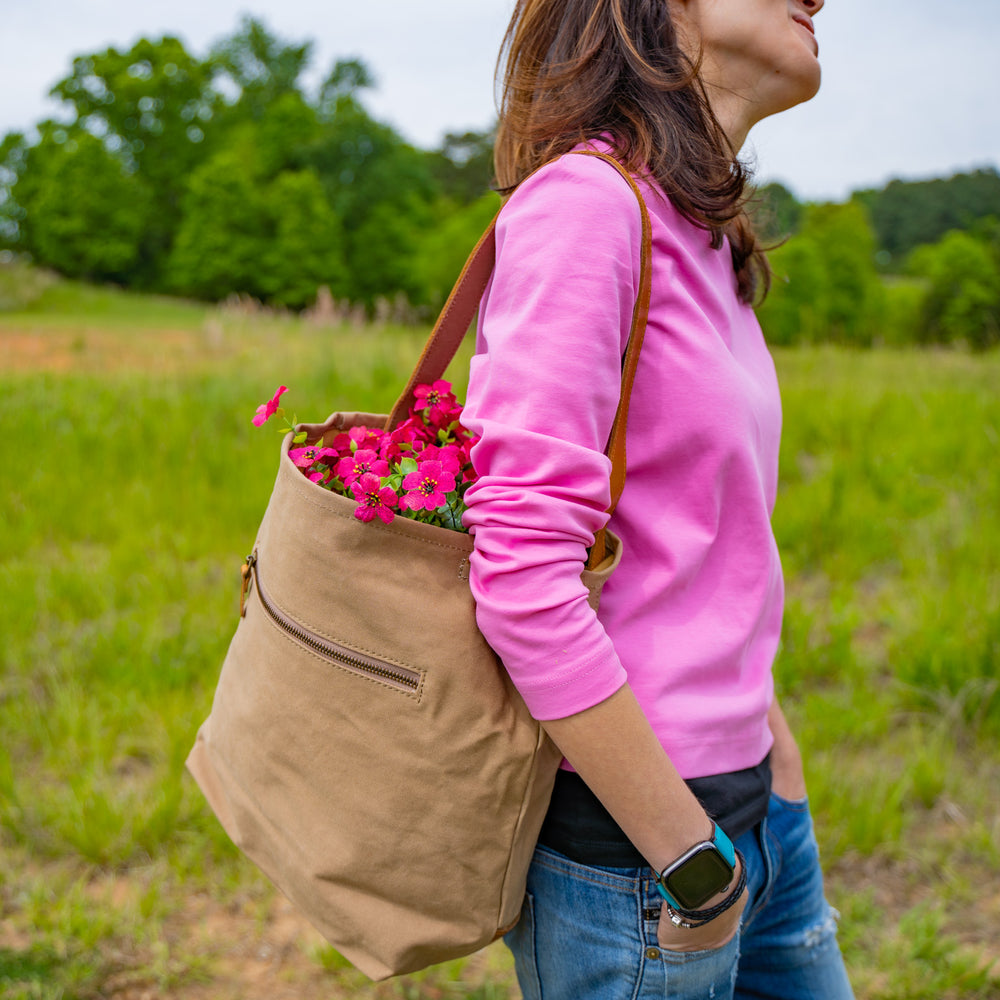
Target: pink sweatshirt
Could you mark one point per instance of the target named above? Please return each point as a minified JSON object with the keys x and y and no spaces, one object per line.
{"x":692,"y":616}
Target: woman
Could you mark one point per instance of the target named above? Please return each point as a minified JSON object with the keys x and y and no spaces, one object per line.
{"x":662,"y":703}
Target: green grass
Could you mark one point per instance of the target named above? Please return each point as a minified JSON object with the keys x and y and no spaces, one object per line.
{"x":133,"y":484}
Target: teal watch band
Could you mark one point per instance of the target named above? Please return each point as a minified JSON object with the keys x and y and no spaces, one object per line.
{"x":700,"y":873}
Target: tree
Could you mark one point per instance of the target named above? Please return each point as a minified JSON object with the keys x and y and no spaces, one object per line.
{"x":280,"y":139}
{"x":826,"y":286}
{"x":151,"y":106}
{"x":907,"y":214}
{"x":962,"y":302}
{"x":796,"y":309}
{"x":84,"y":213}
{"x":442,"y":248}
{"x":382,"y":190}
{"x":305,"y":246}
{"x":13,"y":156}
{"x":463,"y":165}
{"x":222,"y":237}
{"x":277,"y":241}
{"x":260,"y":66}
{"x":847,"y":244}
{"x":346,"y":79}
{"x":776,"y":212}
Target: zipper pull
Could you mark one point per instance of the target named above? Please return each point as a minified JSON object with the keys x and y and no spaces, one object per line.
{"x":247,"y":573}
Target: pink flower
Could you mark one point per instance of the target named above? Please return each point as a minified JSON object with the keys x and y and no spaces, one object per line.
{"x":439,"y":402}
{"x":465,"y":457}
{"x":365,"y":437}
{"x":427,"y":487}
{"x":374,"y":500}
{"x":304,"y":457}
{"x":399,"y":440}
{"x":363,"y":462}
{"x":268,"y":409}
{"x":341,"y":444}
{"x":448,"y":455}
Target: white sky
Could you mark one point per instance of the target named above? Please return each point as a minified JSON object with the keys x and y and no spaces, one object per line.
{"x":910,"y":89}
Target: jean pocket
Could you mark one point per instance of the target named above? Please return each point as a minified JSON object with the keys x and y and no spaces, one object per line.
{"x":521,"y":942}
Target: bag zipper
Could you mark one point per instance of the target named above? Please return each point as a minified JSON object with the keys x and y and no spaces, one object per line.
{"x":401,"y":677}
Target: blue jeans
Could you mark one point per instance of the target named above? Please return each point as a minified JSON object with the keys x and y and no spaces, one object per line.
{"x":589,"y":933}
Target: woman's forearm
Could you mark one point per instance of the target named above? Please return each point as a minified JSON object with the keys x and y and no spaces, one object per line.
{"x":615,"y":751}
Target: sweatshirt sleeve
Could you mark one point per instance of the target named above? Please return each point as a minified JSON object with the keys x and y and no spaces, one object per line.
{"x":543,"y":391}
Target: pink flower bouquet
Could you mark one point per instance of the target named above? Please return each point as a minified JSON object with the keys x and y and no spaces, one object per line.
{"x":419,"y":470}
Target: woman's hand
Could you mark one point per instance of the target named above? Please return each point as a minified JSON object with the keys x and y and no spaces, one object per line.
{"x":787,"y":777}
{"x":714,"y":934}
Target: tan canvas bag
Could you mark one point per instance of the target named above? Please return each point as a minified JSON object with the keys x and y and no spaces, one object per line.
{"x":366,"y":748}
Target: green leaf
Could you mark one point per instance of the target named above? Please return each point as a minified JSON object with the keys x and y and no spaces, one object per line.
{"x":407,"y":465}
{"x":300,"y":438}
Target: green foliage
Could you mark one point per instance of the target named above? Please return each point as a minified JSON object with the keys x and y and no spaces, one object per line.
{"x":382,"y":189}
{"x":306,"y":249}
{"x":463,"y":165}
{"x":825,"y":283}
{"x":150,"y":103}
{"x":278,"y":242}
{"x":13,"y":155}
{"x":963,"y":290}
{"x":86,"y":214}
{"x":776,"y":212}
{"x":226,"y":174}
{"x":223,"y":232}
{"x":259,"y":66}
{"x":906,"y":214}
{"x":903,"y":306}
{"x":443,"y":247}
{"x":795,"y":310}
{"x":220,"y":175}
{"x":848,"y":247}
{"x":152,"y":106}
{"x":346,"y":79}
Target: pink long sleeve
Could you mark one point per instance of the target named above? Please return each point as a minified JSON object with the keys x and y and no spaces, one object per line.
{"x":692,"y":616}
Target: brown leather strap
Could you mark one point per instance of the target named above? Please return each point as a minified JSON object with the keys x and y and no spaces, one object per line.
{"x":640,"y":315}
{"x":452,"y":324}
{"x":457,"y":314}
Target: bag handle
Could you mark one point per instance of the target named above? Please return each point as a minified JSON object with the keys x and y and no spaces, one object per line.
{"x":456,"y":318}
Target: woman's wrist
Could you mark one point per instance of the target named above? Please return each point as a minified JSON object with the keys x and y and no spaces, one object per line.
{"x":719,"y":904}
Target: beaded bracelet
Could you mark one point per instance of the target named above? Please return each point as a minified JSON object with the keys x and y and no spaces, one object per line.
{"x":698,"y":918}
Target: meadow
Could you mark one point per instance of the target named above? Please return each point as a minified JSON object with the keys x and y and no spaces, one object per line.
{"x":133,"y":482}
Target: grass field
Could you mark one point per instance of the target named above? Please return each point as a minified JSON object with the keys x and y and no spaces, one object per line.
{"x":132,"y":486}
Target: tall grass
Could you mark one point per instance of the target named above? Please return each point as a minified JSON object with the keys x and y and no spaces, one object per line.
{"x":130,"y":499}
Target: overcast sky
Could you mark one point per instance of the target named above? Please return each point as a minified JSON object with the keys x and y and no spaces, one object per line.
{"x":910,"y":89}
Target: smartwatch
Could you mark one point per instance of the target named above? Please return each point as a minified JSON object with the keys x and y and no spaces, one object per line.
{"x":688,"y":883}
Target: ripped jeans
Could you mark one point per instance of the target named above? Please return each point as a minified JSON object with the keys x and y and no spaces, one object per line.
{"x":589,"y":933}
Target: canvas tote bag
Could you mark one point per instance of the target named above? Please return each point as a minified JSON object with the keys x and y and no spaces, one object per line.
{"x":365,"y":747}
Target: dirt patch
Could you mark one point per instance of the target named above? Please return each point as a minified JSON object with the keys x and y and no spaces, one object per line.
{"x":259,"y":949}
{"x":102,"y":351}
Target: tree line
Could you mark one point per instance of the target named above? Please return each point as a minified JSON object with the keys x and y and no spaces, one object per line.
{"x":914,"y":262}
{"x":205,"y":177}
{"x":219,"y":175}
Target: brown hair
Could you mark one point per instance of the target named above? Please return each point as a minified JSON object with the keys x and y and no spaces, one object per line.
{"x":580,"y":69}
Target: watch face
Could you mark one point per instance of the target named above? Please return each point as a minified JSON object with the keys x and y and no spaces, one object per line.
{"x":699,"y":877}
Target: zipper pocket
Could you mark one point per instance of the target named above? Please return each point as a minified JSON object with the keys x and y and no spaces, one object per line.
{"x":388,"y":673}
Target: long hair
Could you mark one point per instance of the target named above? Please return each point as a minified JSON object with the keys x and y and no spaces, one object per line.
{"x":575,"y":70}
